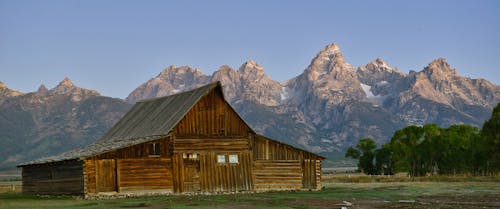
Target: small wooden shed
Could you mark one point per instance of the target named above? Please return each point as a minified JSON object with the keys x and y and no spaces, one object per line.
{"x":191,"y":142}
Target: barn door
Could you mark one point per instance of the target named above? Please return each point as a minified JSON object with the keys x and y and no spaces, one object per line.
{"x":309,"y":174}
{"x":106,"y":175}
{"x":192,"y":173}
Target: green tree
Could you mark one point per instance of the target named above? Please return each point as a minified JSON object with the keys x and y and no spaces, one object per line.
{"x":404,"y":145}
{"x":490,"y":142}
{"x":383,"y":160}
{"x":364,"y":152}
{"x":430,"y":149}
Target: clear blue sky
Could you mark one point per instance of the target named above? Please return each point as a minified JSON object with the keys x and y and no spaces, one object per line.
{"x":114,"y":46}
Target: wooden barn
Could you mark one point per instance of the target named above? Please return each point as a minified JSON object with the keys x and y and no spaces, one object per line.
{"x":191,"y":142}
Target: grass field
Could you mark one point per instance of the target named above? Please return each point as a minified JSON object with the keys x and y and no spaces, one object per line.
{"x":452,"y":192}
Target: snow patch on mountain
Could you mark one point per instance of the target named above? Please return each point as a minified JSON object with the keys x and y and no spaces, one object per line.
{"x":284,"y":95}
{"x":374,"y":99}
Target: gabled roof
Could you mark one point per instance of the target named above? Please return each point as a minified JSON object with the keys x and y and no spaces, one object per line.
{"x":147,"y":120}
{"x":156,"y":116}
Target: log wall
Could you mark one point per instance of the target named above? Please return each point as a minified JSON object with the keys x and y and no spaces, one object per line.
{"x":128,"y":175}
{"x":271,"y":151}
{"x":145,"y":174}
{"x":278,"y":175}
{"x":62,"y":178}
{"x":318,"y":175}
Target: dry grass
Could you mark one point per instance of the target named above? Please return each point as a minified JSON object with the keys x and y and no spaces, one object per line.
{"x":427,"y":192}
{"x":10,"y":187}
{"x":362,"y":178}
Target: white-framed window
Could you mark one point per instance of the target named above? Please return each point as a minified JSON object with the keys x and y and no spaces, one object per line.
{"x":191,"y":156}
{"x":233,"y":158}
{"x":221,"y":158}
{"x":154,"y":149}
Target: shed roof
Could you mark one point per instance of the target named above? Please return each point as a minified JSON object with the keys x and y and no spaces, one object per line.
{"x":148,"y":120}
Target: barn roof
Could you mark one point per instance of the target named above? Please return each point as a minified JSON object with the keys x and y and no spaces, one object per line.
{"x":148,"y":120}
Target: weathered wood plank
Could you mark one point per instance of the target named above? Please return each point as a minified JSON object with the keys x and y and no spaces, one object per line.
{"x":54,"y":179}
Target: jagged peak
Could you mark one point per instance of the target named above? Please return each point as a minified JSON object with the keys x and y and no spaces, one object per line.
{"x":439,"y":65}
{"x":380,"y":61}
{"x":330,"y":48}
{"x":224,"y":69}
{"x":328,"y":58}
{"x":2,"y":85}
{"x":174,"y":70}
{"x":66,"y":86}
{"x":250,"y":63}
{"x":42,"y":89}
{"x":331,"y":52}
{"x":251,"y":66}
{"x":66,"y":82}
{"x":378,"y":64}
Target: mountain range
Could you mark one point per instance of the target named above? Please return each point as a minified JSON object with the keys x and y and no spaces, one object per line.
{"x":325,"y":109}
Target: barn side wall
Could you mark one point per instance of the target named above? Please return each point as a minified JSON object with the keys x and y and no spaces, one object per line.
{"x":131,"y":170}
{"x":279,"y":166}
{"x":62,"y":178}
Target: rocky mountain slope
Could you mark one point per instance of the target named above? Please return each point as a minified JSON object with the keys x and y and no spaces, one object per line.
{"x":326,"y":108}
{"x":47,"y":122}
{"x":332,"y":104}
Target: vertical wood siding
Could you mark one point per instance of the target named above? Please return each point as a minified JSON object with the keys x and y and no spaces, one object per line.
{"x":106,"y":175}
{"x":193,"y":145}
{"x":62,"y":178}
{"x":309,"y":177}
{"x":211,"y":116}
{"x":225,"y":177}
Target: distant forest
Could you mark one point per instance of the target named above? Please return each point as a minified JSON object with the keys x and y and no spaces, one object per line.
{"x":430,"y":149}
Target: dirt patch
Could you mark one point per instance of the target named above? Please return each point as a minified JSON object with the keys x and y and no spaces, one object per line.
{"x":140,"y":205}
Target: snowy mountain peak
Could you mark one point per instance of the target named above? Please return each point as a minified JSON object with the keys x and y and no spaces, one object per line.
{"x":2,"y":85}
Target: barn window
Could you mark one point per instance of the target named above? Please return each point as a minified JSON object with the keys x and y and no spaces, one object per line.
{"x":233,"y":158}
{"x":154,"y":149}
{"x":189,"y":156}
{"x":221,"y":158}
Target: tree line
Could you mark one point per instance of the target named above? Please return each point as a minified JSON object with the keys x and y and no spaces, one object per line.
{"x":430,"y":149}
